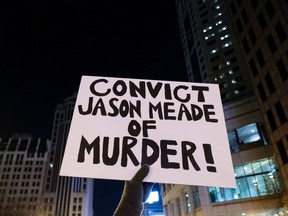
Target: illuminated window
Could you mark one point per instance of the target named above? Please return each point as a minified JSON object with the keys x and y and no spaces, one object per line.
{"x":258,"y":178}
{"x":248,"y":133}
{"x":239,"y":90}
{"x":222,"y":29}
{"x":209,"y":36}
{"x":153,"y":197}
{"x":221,"y":76}
{"x":224,"y":37}
{"x":187,"y":202}
{"x":218,"y":23}
{"x":214,"y":51}
{"x":206,"y":29}
{"x":227,"y":44}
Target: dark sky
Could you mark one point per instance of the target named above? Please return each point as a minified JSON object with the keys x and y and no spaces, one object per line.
{"x":45,"y":47}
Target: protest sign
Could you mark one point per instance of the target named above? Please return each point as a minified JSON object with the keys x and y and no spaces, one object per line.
{"x":177,"y":128}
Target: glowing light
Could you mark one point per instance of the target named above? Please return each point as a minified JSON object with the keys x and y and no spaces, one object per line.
{"x":218,"y":23}
{"x":255,"y":182}
{"x":214,"y":51}
{"x":153,"y":197}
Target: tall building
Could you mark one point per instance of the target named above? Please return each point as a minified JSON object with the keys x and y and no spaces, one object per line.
{"x":262,"y":28}
{"x":23,"y":163}
{"x":214,"y":52}
{"x":65,"y":196}
{"x":29,"y":173}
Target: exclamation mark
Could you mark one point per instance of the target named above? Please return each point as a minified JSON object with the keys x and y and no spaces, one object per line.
{"x":209,"y":157}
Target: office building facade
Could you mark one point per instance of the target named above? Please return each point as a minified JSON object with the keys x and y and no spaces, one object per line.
{"x":70,"y":196}
{"x":29,"y":173}
{"x":213,"y":53}
{"x":263,"y":38}
{"x":23,"y":163}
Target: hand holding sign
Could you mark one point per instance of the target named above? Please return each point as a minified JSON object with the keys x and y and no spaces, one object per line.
{"x":134,"y":194}
{"x":177,"y":128}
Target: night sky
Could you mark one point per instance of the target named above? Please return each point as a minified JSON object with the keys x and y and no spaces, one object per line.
{"x":46,"y":46}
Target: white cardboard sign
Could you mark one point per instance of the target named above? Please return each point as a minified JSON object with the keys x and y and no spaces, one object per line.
{"x":177,"y":128}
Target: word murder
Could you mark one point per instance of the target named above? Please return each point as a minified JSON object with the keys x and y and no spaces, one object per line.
{"x":161,"y":152}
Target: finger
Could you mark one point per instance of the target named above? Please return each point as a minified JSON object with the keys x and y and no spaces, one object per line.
{"x":141,"y":174}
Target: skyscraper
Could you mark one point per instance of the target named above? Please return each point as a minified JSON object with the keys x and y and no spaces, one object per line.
{"x":261,"y":29}
{"x":72,"y":196}
{"x":213,"y":51}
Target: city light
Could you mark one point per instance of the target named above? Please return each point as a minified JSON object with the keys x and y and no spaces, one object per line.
{"x":153,"y":197}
